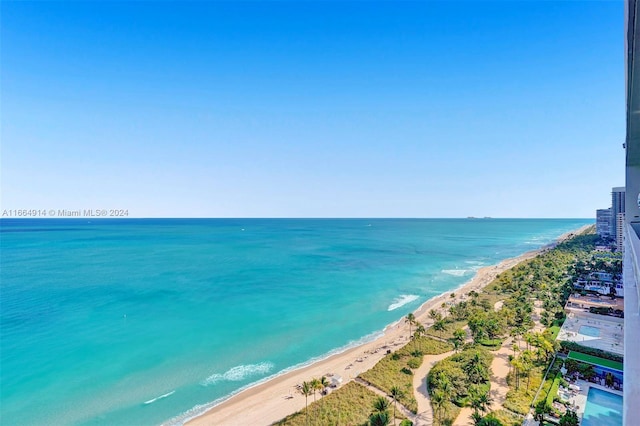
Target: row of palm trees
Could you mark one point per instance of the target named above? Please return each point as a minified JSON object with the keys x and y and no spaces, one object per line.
{"x":523,"y":364}
{"x":439,"y":323}
{"x":311,"y":387}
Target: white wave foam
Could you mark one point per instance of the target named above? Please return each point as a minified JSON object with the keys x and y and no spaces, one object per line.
{"x":151,"y":401}
{"x":455,"y":272}
{"x":401,"y":301}
{"x":239,"y":373}
{"x":474,"y":262}
{"x":200,"y":409}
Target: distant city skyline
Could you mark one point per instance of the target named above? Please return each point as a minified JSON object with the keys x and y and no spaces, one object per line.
{"x":313,"y":109}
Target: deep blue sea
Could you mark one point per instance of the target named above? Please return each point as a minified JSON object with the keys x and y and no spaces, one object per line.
{"x":153,"y":320}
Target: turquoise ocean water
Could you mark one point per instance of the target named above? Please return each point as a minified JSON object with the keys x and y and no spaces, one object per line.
{"x":154,"y":320}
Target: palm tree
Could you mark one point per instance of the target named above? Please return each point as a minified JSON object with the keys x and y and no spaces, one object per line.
{"x":315,"y":385}
{"x":458,"y":338}
{"x":420,"y":331}
{"x":477,"y":418}
{"x":547,"y":348}
{"x":490,"y":420}
{"x":434,"y":315}
{"x":475,"y":369}
{"x":306,"y":391}
{"x":515,"y":348}
{"x":527,"y":366}
{"x":517,"y":366}
{"x":445,"y":386}
{"x":323,"y":384}
{"x":438,"y":400}
{"x":530,"y":339}
{"x":485,"y":401}
{"x":381,"y":405}
{"x":379,"y":419}
{"x":474,"y":402}
{"x":439,"y":326}
{"x":411,"y":319}
{"x":396,"y":393}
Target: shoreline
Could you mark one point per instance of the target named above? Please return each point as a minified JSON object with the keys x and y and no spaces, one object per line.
{"x":274,"y":398}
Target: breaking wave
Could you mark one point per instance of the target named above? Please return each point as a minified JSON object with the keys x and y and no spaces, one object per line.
{"x":401,"y":301}
{"x":239,"y":373}
{"x":151,"y":401}
{"x":455,"y":272}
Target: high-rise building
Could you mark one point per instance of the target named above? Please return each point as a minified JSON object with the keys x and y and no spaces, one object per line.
{"x":620,"y":232}
{"x":617,"y":207}
{"x":603,"y":223}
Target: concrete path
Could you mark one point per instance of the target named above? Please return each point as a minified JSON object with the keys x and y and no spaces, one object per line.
{"x":499,"y":371}
{"x":425,"y":413}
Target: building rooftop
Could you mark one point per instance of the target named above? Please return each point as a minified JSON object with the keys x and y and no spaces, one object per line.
{"x":594,"y":331}
{"x":578,"y":301}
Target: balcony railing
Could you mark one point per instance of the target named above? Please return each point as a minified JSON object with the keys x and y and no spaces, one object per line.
{"x":631,"y":276}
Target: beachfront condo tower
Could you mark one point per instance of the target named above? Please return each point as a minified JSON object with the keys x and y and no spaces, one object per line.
{"x":617,"y":208}
{"x":603,"y":223}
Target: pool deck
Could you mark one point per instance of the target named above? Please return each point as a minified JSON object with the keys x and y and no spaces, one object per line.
{"x":577,"y":399}
{"x":611,"y":338}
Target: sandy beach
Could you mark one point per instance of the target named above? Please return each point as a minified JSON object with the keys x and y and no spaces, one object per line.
{"x":273,"y":400}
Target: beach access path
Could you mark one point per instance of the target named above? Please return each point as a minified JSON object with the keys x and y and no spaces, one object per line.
{"x":420,"y":390}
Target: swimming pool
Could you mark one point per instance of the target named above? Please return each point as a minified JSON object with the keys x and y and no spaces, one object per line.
{"x":588,"y":330}
{"x":603,"y":409}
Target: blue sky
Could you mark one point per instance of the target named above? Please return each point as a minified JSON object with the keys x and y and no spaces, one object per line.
{"x":313,"y":109}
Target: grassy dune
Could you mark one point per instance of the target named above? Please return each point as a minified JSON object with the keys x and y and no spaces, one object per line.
{"x":350,"y":405}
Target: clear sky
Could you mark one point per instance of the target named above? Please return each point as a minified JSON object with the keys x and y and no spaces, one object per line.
{"x":313,"y":109}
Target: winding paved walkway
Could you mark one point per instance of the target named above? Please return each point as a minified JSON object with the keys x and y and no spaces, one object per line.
{"x":425,"y":413}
